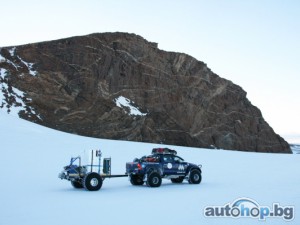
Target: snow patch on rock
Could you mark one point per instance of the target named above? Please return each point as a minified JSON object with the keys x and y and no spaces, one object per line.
{"x":29,"y":66}
{"x":2,"y":72}
{"x":2,"y":59}
{"x":128,"y":106}
{"x":13,"y":100}
{"x":12,"y":53}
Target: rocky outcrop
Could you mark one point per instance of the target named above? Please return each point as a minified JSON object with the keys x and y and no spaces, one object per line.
{"x":120,"y":86}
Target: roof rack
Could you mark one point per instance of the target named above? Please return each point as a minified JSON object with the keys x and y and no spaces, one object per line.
{"x":163,"y":151}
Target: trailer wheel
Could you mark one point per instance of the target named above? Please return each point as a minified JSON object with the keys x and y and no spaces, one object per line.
{"x":92,"y":181}
{"x":154,"y":179}
{"x":195,"y":177}
{"x":177,"y":180}
{"x":136,"y":180}
{"x":76,"y":184}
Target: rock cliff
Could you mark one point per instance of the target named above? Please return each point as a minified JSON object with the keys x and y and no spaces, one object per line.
{"x":121,"y":86}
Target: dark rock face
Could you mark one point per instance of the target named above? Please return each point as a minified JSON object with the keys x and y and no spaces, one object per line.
{"x":75,"y":85}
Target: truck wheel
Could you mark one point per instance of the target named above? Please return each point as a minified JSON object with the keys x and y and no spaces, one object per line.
{"x":195,"y":177}
{"x":92,"y":182}
{"x":177,"y":180}
{"x":153,"y":180}
{"x":136,"y":180}
{"x":76,"y":184}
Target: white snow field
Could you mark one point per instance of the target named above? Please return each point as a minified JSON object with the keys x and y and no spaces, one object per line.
{"x":31,"y":193}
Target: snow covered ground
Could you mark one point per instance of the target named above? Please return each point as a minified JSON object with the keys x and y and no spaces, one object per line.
{"x":295,"y":148}
{"x":31,"y":194}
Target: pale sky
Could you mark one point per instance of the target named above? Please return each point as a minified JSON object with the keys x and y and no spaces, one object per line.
{"x":253,"y":43}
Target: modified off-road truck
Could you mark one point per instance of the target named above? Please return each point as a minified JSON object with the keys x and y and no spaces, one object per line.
{"x":162,"y":163}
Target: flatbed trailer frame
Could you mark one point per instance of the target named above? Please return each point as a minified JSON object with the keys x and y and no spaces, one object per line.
{"x":84,"y":176}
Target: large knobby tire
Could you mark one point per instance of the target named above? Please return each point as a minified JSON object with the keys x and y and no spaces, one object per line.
{"x":153,"y":179}
{"x":92,"y":181}
{"x":195,"y":177}
{"x":76,"y":184}
{"x":136,"y":180}
{"x":178,"y":180}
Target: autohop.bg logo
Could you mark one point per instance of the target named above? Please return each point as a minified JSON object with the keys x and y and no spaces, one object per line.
{"x":246,"y":207}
